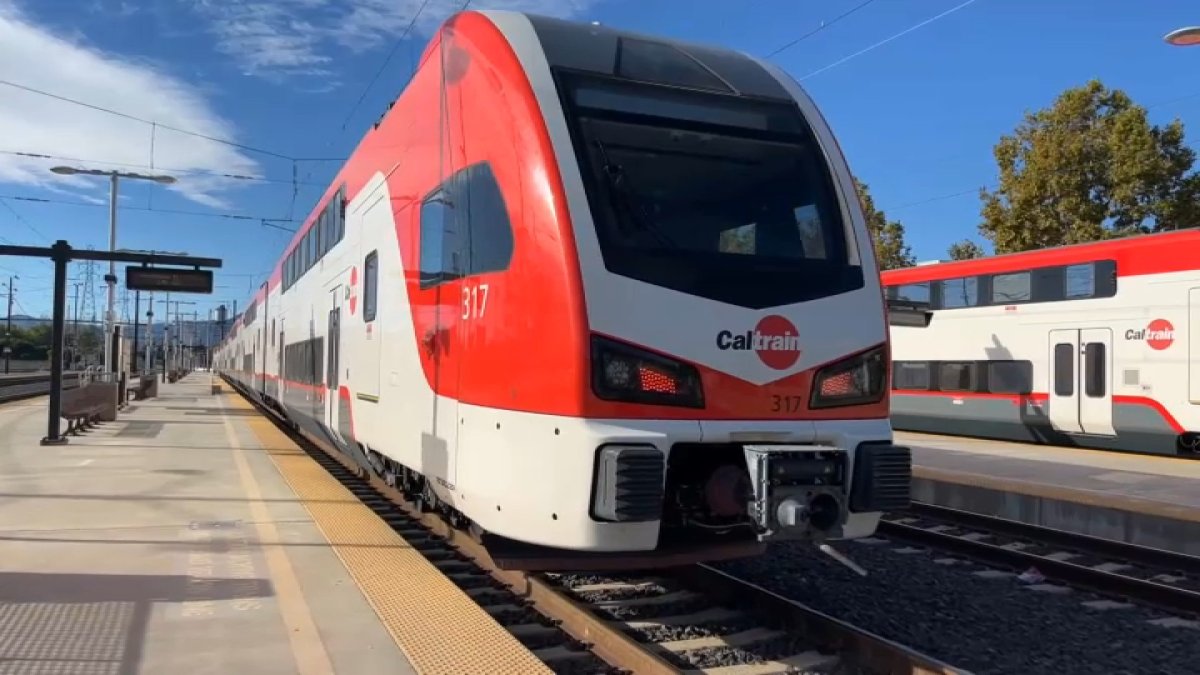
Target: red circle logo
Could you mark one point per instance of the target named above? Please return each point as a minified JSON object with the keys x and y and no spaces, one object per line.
{"x":1160,"y":334}
{"x":777,"y":342}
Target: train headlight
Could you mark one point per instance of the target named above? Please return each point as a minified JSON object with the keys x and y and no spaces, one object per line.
{"x":622,"y":372}
{"x":857,"y":380}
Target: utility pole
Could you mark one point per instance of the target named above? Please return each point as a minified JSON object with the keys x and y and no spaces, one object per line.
{"x":8,"y":324}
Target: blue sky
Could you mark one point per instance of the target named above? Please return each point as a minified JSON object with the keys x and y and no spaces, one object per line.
{"x":917,"y":116}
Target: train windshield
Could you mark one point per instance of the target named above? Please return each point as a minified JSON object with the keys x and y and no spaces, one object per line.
{"x":716,"y":196}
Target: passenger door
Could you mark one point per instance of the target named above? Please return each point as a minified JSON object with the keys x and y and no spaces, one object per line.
{"x":1194,"y":345}
{"x":333,"y":364}
{"x":1081,"y":381}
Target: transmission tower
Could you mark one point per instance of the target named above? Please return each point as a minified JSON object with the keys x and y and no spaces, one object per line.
{"x":87,"y":300}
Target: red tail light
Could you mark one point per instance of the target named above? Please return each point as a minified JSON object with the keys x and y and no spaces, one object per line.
{"x":622,"y":372}
{"x":857,"y":380}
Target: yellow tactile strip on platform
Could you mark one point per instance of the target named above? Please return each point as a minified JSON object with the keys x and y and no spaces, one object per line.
{"x":434,"y":622}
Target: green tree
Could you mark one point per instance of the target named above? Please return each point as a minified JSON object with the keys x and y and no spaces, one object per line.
{"x":888,"y":235}
{"x":1089,"y":167}
{"x":965,"y":250}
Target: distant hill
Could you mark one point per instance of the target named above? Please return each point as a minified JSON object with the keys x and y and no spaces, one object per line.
{"x":207,"y":333}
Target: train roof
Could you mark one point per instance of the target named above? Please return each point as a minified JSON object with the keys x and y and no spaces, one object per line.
{"x":1135,"y":255}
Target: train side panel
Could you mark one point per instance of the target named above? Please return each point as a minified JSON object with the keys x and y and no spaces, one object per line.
{"x":1109,"y":372}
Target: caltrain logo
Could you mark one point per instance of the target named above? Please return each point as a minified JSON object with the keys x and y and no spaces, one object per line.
{"x":775,"y":339}
{"x":1159,"y":334}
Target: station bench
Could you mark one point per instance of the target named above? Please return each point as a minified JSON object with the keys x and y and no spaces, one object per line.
{"x":83,"y":406}
{"x":146,"y":387}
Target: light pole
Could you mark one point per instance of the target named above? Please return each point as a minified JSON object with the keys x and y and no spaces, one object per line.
{"x":1184,"y":37}
{"x":8,"y":323}
{"x":110,"y":315}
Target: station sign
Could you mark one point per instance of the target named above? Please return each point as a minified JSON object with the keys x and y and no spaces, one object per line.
{"x":168,"y":279}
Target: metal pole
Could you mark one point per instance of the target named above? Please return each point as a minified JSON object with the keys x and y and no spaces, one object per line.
{"x":110,"y":315}
{"x":61,"y":256}
{"x":150,"y":338}
{"x":8,"y":327}
{"x":137,"y":308}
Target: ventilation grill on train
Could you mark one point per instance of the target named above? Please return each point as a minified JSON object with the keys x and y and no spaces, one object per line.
{"x":629,"y":484}
{"x":882,"y":478}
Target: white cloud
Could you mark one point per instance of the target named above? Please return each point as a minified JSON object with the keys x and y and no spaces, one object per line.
{"x":33,"y":56}
{"x":278,"y":38}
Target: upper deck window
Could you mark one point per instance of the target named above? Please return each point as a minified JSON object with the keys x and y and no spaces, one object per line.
{"x":1081,"y":281}
{"x":961,"y":292}
{"x":913,"y":293}
{"x":716,"y":196}
{"x":1011,"y":288}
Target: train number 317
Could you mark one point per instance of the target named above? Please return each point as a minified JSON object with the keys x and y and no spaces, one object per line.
{"x":788,"y":404}
{"x":474,"y":300}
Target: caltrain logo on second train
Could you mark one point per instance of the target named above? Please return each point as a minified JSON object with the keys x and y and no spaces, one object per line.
{"x":774,"y":339}
{"x":1159,"y":334}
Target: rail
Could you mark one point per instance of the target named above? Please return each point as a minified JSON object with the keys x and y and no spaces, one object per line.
{"x":688,"y":619}
{"x":1164,"y":579}
{"x":15,"y":387}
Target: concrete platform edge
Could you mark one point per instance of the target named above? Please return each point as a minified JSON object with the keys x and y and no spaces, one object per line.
{"x":1138,"y":522}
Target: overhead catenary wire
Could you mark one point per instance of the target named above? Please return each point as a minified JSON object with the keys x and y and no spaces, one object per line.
{"x":188,"y":132}
{"x":186,"y":172}
{"x":233,"y":216}
{"x":818,"y":29}
{"x":886,"y":40}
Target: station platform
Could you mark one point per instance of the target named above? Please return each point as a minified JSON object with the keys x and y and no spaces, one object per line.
{"x":192,"y":536}
{"x":1140,"y":499}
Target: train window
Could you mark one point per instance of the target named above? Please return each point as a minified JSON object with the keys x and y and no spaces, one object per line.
{"x":664,"y":182}
{"x":433,"y":231}
{"x":960,"y":292}
{"x":1064,"y":369}
{"x":1095,"y":370}
{"x":956,"y":376}
{"x":910,"y":375}
{"x":812,"y":236}
{"x":1081,"y":281}
{"x":913,"y":292}
{"x":1011,"y":288}
{"x":489,"y":230}
{"x":1010,"y":377}
{"x":370,"y":285}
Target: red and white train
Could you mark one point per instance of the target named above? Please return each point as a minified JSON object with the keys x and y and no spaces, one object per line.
{"x":601,"y":296}
{"x":1094,"y":345}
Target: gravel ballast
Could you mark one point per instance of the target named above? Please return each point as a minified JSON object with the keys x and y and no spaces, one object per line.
{"x":985,"y":625}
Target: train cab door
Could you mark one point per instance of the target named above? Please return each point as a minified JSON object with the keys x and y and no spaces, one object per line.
{"x":441,"y":339}
{"x":1080,"y":381}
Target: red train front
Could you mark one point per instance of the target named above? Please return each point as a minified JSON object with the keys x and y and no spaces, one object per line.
{"x":597,"y":294}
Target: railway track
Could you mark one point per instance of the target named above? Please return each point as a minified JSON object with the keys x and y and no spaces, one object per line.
{"x":1163,"y":579}
{"x":692,"y":619}
{"x":16,"y":387}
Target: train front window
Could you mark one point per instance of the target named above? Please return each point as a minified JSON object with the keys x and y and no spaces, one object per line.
{"x":726,"y":198}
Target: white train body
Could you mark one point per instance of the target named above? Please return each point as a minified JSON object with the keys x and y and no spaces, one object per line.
{"x":547,"y":381}
{"x":1095,"y":345}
